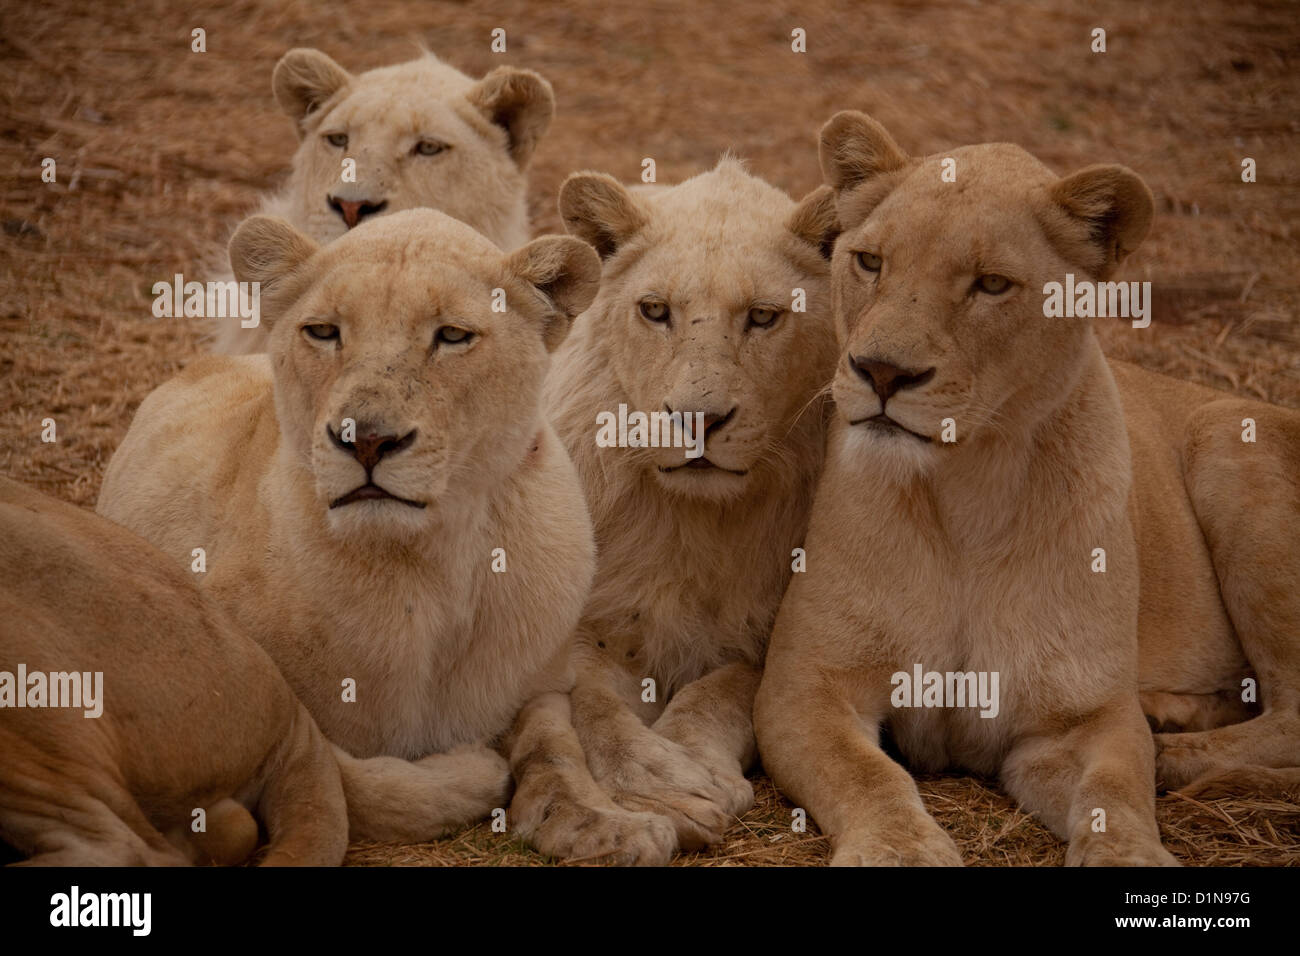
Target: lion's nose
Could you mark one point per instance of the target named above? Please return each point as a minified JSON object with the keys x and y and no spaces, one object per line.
{"x":886,"y":378}
{"x":714,"y":421}
{"x":369,"y":447}
{"x":354,"y":211}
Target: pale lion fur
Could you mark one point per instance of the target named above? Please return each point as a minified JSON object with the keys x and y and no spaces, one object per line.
{"x":692,"y":562}
{"x":235,"y":455}
{"x":490,"y":126}
{"x":981,"y":555}
{"x":708,"y":562}
{"x":192,"y":714}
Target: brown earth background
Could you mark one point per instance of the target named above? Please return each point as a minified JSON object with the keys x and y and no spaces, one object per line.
{"x":160,"y":151}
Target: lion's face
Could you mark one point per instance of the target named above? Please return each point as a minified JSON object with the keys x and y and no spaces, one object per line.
{"x":696,"y":309}
{"x":938,"y":286}
{"x":420,"y":134}
{"x":397,"y":385}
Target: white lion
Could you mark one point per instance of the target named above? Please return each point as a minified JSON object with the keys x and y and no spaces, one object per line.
{"x":411,"y":135}
{"x":380,"y":501}
{"x":713,"y":302}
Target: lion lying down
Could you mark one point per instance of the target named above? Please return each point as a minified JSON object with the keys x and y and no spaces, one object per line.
{"x":713,"y":303}
{"x":382,"y":504}
{"x":191,"y":714}
{"x":1099,"y":537}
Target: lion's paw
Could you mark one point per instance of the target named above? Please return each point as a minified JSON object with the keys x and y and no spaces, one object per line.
{"x":1102,"y":850}
{"x":924,"y":845}
{"x":607,"y":835}
{"x":739,"y":791}
{"x":663,"y":778}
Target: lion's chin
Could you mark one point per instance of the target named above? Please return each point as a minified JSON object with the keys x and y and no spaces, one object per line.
{"x":703,"y":481}
{"x":377,"y":519}
{"x":372,"y":492}
{"x":890,"y":452}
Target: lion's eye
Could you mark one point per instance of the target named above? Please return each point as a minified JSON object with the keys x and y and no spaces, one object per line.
{"x":763,"y":317}
{"x":321,"y":331}
{"x":337,"y":139}
{"x":428,"y":147}
{"x":655,"y":311}
{"x":453,"y":335}
{"x":993,"y":285}
{"x":869,"y":261}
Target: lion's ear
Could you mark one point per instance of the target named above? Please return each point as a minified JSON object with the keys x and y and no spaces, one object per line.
{"x":1113,"y":206}
{"x":816,"y":221}
{"x":303,"y":80}
{"x":599,"y":210}
{"x":566,"y":272}
{"x":519,"y":101}
{"x":265,"y":250}
{"x":856,"y":152}
{"x":853,"y":148}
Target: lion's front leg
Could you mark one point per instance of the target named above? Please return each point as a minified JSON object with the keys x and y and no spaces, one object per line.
{"x":560,"y":810}
{"x":824,"y":754}
{"x":644,"y":770}
{"x":1094,"y":785}
{"x":713,"y":718}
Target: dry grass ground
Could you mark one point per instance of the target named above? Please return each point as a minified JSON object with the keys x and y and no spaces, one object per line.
{"x":160,"y":151}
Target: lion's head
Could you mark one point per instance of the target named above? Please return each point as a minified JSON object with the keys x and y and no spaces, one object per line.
{"x":425,"y":337}
{"x":938,"y":285}
{"x":422,"y":134}
{"x":713,"y":300}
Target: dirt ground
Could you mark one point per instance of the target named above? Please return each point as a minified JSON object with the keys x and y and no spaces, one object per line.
{"x":160,"y":151}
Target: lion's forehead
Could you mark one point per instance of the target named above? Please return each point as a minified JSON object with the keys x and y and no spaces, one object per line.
{"x":954,"y":243}
{"x":425,"y":78}
{"x":419,"y":288}
{"x":417,"y":264}
{"x":988,"y":220}
{"x":989,"y":177}
{"x":424,"y":237}
{"x":382,"y":115}
{"x":722,"y":206}
{"x":726,"y":270}
{"x":721,"y":233}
